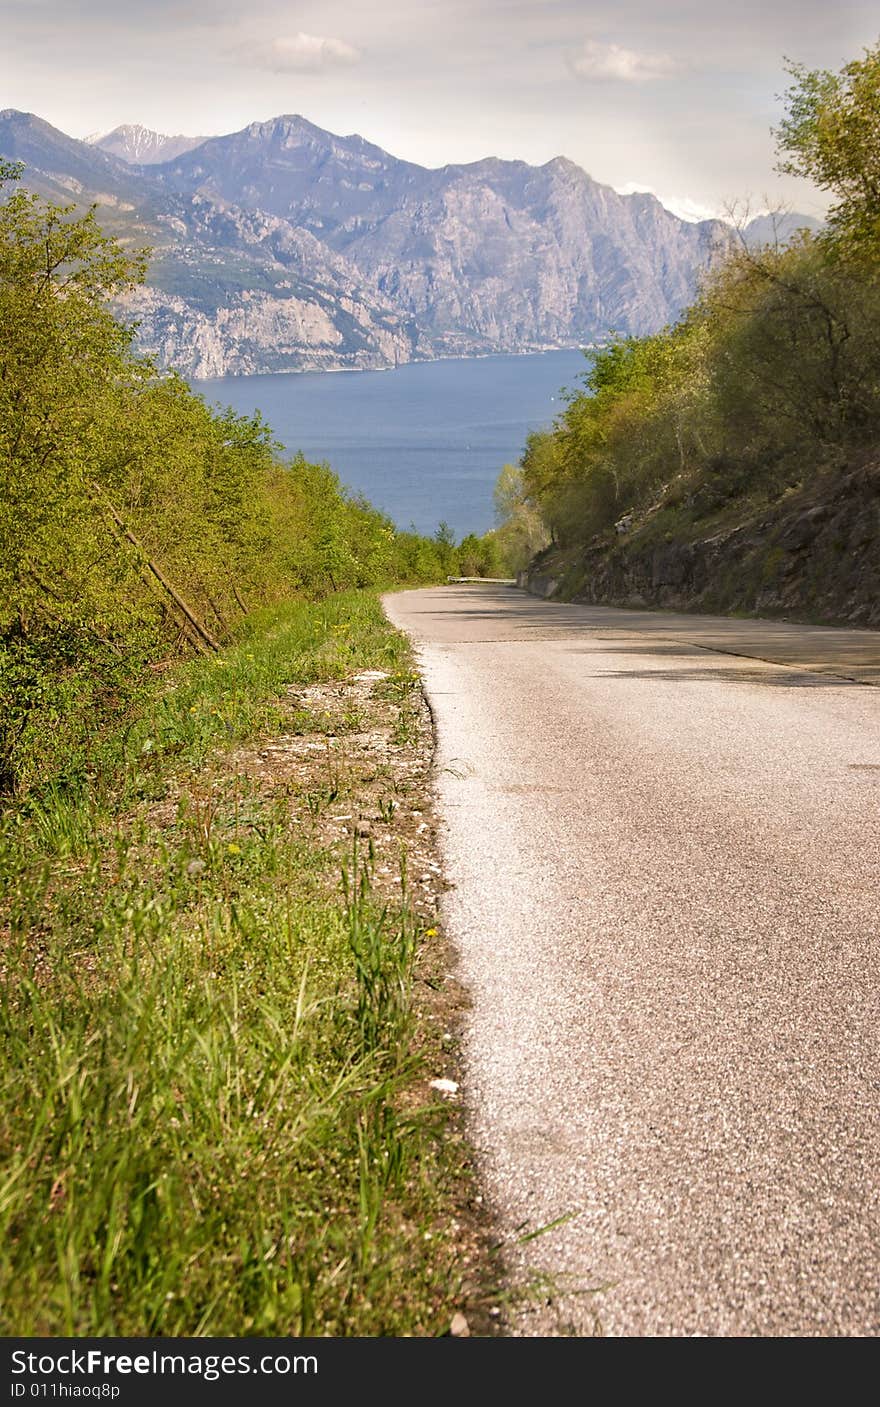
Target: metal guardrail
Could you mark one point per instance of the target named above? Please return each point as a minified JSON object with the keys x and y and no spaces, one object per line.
{"x":485,"y":580}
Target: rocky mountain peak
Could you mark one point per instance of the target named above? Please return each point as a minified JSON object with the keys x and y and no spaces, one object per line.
{"x":290,"y":124}
{"x":141,"y":146}
{"x":562,"y":166}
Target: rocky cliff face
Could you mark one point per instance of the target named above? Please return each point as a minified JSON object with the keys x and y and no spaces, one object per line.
{"x":492,"y":256}
{"x":283,"y":247}
{"x":255,"y":332}
{"x":814,"y":556}
{"x":532,"y":257}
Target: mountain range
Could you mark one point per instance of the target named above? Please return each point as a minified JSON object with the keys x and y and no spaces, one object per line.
{"x":284,"y":247}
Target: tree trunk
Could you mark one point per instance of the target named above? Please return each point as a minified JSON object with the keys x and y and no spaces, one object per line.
{"x":201,"y":631}
{"x":217,"y":615}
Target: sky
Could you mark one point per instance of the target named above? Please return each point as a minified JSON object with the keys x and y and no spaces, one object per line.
{"x":677,"y":97}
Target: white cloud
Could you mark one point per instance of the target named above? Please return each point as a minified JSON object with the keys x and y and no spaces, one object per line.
{"x":611,"y":61}
{"x":302,"y":53}
{"x":681,"y":205}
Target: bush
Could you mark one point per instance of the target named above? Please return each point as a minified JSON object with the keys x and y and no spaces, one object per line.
{"x":65,"y":693}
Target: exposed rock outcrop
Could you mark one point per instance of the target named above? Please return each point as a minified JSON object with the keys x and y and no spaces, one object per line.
{"x":255,"y":332}
{"x":813,"y":556}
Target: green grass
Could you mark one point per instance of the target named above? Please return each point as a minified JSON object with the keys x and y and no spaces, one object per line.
{"x":207,"y":1040}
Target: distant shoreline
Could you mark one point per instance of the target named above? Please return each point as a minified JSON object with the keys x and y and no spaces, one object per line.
{"x":197,"y":381}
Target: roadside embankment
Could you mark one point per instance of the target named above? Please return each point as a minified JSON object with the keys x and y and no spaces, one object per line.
{"x":814,"y":555}
{"x":223,"y":1001}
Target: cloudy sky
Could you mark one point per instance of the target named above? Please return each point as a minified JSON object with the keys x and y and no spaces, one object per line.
{"x":678,"y":96}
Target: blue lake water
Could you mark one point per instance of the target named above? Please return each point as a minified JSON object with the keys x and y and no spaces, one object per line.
{"x":425,"y":442}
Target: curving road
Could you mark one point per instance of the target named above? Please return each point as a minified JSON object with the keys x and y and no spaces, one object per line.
{"x":663,"y":834}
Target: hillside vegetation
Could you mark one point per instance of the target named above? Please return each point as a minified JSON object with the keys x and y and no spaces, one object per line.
{"x":730,"y":462}
{"x":136,"y":523}
{"x":214,"y":1110}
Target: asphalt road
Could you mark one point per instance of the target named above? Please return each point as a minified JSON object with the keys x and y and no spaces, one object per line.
{"x":663,"y":834}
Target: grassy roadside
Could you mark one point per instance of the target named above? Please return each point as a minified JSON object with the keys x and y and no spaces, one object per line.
{"x":212,"y":1115}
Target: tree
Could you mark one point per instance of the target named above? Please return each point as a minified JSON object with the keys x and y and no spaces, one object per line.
{"x":62,"y":357}
{"x":444,"y":539}
{"x":521,"y":531}
{"x":831,"y":136}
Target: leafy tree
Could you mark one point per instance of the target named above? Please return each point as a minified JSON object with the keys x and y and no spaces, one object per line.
{"x":520,"y":532}
{"x":61,"y":357}
{"x":444,"y":539}
{"x":771,"y":377}
{"x":831,"y":136}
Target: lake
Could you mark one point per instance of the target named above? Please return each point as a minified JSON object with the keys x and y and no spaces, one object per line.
{"x":424,"y":442}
